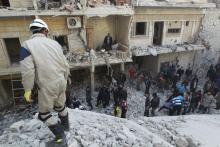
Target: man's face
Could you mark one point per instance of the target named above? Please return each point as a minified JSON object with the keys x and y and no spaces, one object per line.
{"x":45,"y":32}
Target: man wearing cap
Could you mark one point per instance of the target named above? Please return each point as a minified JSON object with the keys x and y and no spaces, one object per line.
{"x":42,"y":62}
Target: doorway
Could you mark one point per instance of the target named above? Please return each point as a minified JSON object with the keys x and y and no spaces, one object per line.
{"x":13,"y":48}
{"x":5,"y":3}
{"x":158,"y":33}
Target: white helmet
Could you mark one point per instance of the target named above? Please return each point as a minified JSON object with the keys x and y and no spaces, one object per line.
{"x":38,"y":23}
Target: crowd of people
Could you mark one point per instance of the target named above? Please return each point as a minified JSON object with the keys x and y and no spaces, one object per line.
{"x":186,"y":95}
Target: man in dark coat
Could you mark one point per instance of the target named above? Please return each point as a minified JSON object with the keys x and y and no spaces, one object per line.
{"x":147,"y":104}
{"x":100,"y":96}
{"x":89,"y":97}
{"x":108,"y":42}
{"x":211,"y":74}
{"x":194,"y":84}
{"x":155,"y":102}
{"x":122,"y":95}
{"x":180,"y":72}
{"x":75,"y":103}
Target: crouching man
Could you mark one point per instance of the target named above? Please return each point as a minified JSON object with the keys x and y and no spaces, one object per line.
{"x":42,"y":62}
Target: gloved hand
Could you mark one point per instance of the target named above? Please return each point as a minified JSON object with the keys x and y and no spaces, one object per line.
{"x":27,"y":96}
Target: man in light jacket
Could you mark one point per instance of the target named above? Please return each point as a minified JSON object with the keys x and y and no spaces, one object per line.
{"x":42,"y":62}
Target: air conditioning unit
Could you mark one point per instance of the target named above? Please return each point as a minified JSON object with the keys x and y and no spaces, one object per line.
{"x":74,"y":22}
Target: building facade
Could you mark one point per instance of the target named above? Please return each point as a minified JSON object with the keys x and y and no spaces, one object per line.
{"x":166,"y":32}
{"x":153,"y":32}
{"x":78,"y":27}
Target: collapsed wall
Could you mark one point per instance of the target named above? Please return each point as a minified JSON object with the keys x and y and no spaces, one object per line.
{"x":209,"y":36}
{"x":211,"y":29}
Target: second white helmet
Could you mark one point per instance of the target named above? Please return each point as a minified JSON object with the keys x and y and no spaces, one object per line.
{"x":39,"y":23}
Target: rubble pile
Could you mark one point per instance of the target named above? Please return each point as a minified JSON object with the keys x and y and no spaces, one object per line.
{"x":112,"y":55}
{"x":154,"y":50}
{"x":87,"y":129}
{"x":98,"y":3}
{"x":69,"y":5}
{"x":19,"y":113}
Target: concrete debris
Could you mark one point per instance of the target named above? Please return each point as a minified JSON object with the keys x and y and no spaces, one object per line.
{"x":72,"y":5}
{"x":181,"y":142}
{"x":99,"y":57}
{"x":17,"y":127}
{"x":69,"y":5}
{"x":96,"y":3}
{"x":92,"y":130}
{"x":154,"y":50}
{"x":32,"y":125}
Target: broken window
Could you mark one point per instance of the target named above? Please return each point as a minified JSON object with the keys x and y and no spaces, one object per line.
{"x":4,"y":3}
{"x":63,"y":41}
{"x":140,"y":28}
{"x":13,"y":48}
{"x":174,"y":30}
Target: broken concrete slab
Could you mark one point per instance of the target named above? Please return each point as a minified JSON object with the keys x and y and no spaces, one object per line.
{"x":32,"y":125}
{"x":17,"y":127}
{"x":148,"y":50}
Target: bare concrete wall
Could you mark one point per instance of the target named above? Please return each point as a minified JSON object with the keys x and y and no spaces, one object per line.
{"x":122,"y":32}
{"x":58,"y":26}
{"x":19,"y":28}
{"x":211,"y":29}
{"x":12,"y":28}
{"x":172,"y":18}
{"x":102,"y":26}
{"x":172,"y":38}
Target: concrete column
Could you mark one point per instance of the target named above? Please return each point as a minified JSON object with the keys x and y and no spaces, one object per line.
{"x":164,"y":33}
{"x":193,"y":29}
{"x":182,"y":31}
{"x":151,"y":31}
{"x":92,"y":70}
{"x":92,"y":74}
{"x":122,"y":67}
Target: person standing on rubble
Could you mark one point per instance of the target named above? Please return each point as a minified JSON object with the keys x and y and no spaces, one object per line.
{"x":108,"y":42}
{"x":42,"y":61}
{"x":89,"y":97}
{"x":132,"y":75}
{"x":122,"y":94}
{"x":147,"y":104}
{"x":155,"y":103}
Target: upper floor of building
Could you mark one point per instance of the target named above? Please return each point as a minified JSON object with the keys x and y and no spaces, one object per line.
{"x":90,"y":8}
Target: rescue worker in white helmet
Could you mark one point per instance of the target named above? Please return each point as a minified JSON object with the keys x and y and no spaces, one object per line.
{"x":42,"y":62}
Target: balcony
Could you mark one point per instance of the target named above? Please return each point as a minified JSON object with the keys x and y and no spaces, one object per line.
{"x":119,"y":54}
{"x":155,"y":50}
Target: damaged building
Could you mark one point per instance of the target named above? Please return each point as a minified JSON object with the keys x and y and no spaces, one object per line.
{"x":153,"y":32}
{"x":165,"y":32}
{"x":76,"y":25}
